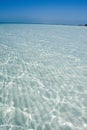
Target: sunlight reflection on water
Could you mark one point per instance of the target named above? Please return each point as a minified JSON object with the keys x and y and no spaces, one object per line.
{"x":43,"y":77}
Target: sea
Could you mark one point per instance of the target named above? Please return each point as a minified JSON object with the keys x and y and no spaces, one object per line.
{"x":43,"y":77}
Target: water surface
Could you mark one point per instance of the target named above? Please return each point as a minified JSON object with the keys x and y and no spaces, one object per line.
{"x":43,"y":77}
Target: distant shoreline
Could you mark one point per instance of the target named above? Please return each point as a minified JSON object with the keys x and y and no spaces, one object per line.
{"x":43,"y":23}
{"x":83,"y":25}
{"x":38,"y":23}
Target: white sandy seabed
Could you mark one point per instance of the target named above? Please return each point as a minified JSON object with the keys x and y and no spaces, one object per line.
{"x":43,"y":77}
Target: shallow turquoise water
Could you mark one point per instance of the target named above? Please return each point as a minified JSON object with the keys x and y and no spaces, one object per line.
{"x":43,"y":77}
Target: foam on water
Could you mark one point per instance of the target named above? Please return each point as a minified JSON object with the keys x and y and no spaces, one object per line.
{"x":43,"y":77}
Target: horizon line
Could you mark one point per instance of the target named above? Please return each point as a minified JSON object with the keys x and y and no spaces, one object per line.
{"x":39,"y":23}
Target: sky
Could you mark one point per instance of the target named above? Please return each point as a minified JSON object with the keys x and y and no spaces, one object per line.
{"x":44,"y":11}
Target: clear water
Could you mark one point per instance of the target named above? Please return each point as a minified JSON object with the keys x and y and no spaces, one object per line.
{"x":43,"y":77}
